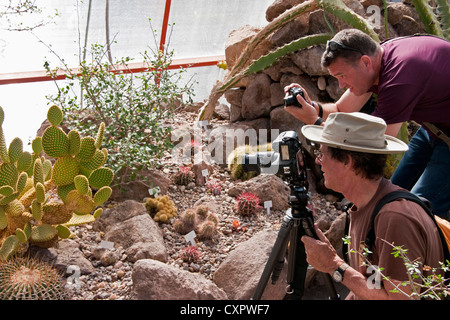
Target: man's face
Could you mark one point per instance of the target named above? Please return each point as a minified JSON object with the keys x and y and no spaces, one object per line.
{"x":358,"y":76}
{"x":333,"y":170}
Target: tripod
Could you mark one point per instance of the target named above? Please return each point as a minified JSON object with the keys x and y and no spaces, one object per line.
{"x":296,"y":223}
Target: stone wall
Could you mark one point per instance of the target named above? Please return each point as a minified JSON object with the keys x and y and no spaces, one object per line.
{"x":260,"y":96}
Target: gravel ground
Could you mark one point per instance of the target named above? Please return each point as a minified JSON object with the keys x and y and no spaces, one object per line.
{"x":113,"y":282}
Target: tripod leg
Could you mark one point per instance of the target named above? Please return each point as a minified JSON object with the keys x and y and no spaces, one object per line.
{"x":278,"y":250}
{"x":297,"y":266}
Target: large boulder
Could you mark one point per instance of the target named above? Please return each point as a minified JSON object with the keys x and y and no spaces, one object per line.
{"x":240,"y":272}
{"x":130,"y":226}
{"x":154,"y":280}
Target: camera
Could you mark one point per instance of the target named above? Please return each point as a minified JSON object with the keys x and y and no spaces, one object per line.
{"x":292,"y":99}
{"x":286,"y":160}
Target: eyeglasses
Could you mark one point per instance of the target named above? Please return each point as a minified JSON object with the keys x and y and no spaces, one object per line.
{"x":319,"y":154}
{"x":334,"y":46}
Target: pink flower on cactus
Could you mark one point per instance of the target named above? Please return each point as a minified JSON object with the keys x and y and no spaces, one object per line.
{"x":190,"y":254}
{"x":185,"y":169}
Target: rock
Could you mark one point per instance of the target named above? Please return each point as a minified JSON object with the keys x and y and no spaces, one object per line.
{"x":256,"y":98}
{"x":123,"y":211}
{"x":198,"y":169}
{"x":240,"y":272}
{"x":154,"y":280}
{"x":266,"y":187}
{"x":336,"y":232}
{"x":309,"y":61}
{"x":284,"y":121}
{"x":293,"y":30}
{"x":236,"y":42}
{"x":278,"y":7}
{"x":224,"y":139}
{"x":141,"y":238}
{"x":222,"y":111}
{"x":138,"y":189}
{"x":66,"y":257}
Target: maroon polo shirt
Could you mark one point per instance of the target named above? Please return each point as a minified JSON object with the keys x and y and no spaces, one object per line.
{"x":414,"y":81}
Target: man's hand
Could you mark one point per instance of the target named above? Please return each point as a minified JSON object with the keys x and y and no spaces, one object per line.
{"x":307,"y":113}
{"x":320,"y":253}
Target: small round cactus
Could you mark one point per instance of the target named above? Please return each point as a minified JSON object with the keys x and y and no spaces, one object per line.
{"x":247,"y":204}
{"x":190,"y":254}
{"x":214,"y":186}
{"x":206,"y":230}
{"x":29,"y":279}
{"x":161,"y":209}
{"x":198,"y":219}
{"x":184,"y":176}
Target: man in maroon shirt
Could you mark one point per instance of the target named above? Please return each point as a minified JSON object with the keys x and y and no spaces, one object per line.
{"x":411,"y":78}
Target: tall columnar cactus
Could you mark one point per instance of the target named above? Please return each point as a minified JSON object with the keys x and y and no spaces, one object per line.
{"x":40,"y":201}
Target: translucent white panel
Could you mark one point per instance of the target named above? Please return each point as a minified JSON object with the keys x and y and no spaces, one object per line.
{"x":25,"y":108}
{"x":201,"y":28}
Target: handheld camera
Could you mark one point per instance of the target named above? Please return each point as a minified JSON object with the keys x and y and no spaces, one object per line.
{"x":292,"y":99}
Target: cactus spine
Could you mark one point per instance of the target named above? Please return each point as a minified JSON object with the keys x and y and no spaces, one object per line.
{"x":29,"y":279}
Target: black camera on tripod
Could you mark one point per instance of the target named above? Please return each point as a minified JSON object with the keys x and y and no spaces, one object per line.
{"x":286,"y":160}
{"x":292,"y":99}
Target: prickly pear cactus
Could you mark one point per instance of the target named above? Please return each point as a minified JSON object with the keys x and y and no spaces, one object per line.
{"x":39,"y":200}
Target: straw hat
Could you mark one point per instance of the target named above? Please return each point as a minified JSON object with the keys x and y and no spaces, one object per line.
{"x":354,"y":131}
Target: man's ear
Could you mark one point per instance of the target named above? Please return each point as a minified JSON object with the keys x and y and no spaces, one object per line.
{"x":366,"y":61}
{"x":348,"y":161}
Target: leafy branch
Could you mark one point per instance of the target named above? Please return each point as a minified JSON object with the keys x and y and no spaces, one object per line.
{"x":432,"y":286}
{"x":134,"y":106}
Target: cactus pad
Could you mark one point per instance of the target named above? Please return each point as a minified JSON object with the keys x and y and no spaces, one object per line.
{"x":25,"y":161}
{"x":9,"y":246}
{"x":54,"y":115}
{"x":87,"y":149}
{"x":36,"y":145}
{"x":74,"y":142}
{"x":101,"y":177}
{"x":15,"y":149}
{"x":65,"y":170}
{"x":43,"y":233}
{"x":102,"y":195}
{"x":55,"y":213}
{"x":55,"y":142}
{"x":80,"y":203}
{"x":8,"y":174}
{"x":81,"y":184}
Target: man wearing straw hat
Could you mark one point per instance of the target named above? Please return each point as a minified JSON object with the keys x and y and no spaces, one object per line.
{"x":411,"y":77}
{"x":352,"y":155}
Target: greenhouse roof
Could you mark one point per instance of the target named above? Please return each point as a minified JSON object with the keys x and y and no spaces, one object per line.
{"x":196,"y":31}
